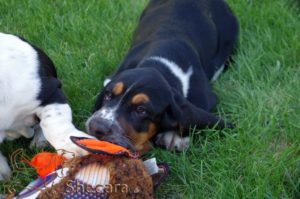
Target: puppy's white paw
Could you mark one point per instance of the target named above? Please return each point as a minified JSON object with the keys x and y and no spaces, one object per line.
{"x":172,"y":141}
{"x":68,"y":149}
{"x":4,"y":168}
{"x":39,"y":139}
{"x":56,"y":123}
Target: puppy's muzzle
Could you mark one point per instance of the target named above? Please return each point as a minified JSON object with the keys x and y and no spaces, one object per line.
{"x":100,"y":127}
{"x":107,"y":130}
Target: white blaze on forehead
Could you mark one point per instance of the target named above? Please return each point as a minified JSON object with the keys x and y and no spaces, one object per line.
{"x":184,"y":77}
{"x":107,"y":113}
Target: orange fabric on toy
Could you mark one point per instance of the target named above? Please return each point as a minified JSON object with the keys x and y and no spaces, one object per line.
{"x":102,"y":145}
{"x":45,"y":163}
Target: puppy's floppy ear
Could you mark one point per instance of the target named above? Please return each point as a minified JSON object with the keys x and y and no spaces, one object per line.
{"x":183,"y":114}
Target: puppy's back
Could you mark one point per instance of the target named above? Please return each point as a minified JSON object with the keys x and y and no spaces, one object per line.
{"x":19,"y":80}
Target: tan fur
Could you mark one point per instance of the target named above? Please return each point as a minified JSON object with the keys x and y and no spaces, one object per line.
{"x":140,"y":98}
{"x":141,"y":139}
{"x":118,"y":88}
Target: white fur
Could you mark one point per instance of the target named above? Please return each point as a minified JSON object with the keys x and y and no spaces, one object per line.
{"x":218,"y":73}
{"x":19,"y":88}
{"x":19,"y":82}
{"x":106,"y":81}
{"x":4,"y":168}
{"x":108,"y":114}
{"x":56,"y":122}
{"x":184,"y":77}
{"x":171,"y":140}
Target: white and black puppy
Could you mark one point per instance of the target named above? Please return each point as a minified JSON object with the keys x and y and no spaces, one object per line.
{"x":29,"y":93}
{"x":162,"y":87}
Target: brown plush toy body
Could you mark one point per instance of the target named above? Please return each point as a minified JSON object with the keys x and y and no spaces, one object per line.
{"x":95,"y":176}
{"x":108,"y":172}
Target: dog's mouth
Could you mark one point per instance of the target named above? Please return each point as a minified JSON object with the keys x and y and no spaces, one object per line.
{"x":118,"y":140}
{"x":112,"y":133}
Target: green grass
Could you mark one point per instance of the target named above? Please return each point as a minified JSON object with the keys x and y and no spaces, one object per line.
{"x":260,"y":92}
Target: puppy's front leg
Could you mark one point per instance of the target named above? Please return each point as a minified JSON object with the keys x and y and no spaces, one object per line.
{"x":56,"y":123}
{"x":39,"y":139}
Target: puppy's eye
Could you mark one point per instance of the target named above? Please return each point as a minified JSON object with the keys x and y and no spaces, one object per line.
{"x":141,"y":110}
{"x":107,"y":96}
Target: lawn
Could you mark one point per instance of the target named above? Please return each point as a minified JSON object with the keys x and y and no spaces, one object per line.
{"x":260,"y":92}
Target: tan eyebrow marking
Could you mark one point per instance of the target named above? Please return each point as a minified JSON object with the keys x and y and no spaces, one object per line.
{"x":140,"y":98}
{"x":118,"y":88}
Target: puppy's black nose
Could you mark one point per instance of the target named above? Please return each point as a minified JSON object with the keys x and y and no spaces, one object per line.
{"x":99,"y":127}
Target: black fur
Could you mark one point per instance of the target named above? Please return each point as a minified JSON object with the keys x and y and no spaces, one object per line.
{"x":197,"y":33}
{"x":51,"y":91}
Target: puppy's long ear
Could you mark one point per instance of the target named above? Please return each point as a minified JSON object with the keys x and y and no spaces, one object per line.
{"x":183,"y":114}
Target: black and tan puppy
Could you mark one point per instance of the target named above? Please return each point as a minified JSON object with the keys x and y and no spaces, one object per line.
{"x":162,"y":87}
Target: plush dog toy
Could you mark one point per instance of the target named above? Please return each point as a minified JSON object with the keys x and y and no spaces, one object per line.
{"x":108,"y":172}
